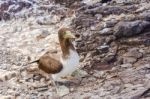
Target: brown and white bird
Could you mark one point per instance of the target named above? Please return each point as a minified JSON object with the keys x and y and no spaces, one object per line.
{"x":66,"y":63}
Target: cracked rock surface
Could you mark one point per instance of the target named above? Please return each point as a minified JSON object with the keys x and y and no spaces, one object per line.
{"x":114,"y":48}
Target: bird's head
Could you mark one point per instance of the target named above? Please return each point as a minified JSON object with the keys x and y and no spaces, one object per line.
{"x":66,"y":40}
{"x":65,"y":34}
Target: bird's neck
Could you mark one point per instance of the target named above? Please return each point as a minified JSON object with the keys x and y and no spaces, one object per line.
{"x":66,"y":46}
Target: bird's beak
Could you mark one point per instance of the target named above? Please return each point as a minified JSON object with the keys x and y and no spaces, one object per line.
{"x":69,"y":35}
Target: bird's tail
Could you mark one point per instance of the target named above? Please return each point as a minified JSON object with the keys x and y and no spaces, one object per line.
{"x":36,"y":61}
{"x":24,"y":66}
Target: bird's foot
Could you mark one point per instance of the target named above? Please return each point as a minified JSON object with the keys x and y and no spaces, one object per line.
{"x":68,"y":78}
{"x":68,"y":82}
{"x":65,"y":83}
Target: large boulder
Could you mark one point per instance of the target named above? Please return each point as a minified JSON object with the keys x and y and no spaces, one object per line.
{"x":66,"y":2}
{"x":127,"y":29}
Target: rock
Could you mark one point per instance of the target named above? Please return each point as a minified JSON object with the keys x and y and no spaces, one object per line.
{"x":99,"y":74}
{"x":68,"y":3}
{"x":90,"y":2}
{"x":147,"y":42}
{"x":103,"y":92}
{"x":6,"y":97}
{"x":133,"y":93}
{"x":94,"y":97}
{"x":5,"y":16}
{"x":103,"y":48}
{"x":126,"y":65}
{"x":125,"y":1}
{"x":11,"y":7}
{"x":1,"y":73}
{"x":112,"y":86}
{"x":109,"y":58}
{"x":62,"y":90}
{"x":146,"y":93}
{"x":147,"y":76}
{"x":7,"y":75}
{"x":48,"y":20}
{"x":105,"y":1}
{"x":91,"y":79}
{"x":130,"y":60}
{"x":111,"y":23}
{"x":143,"y":8}
{"x":4,"y":6}
{"x":39,"y":34}
{"x":42,"y":88}
{"x":37,"y":77}
{"x":20,"y":5}
{"x":128,"y":85}
{"x":87,"y":16}
{"x":105,"y":10}
{"x":110,"y":39}
{"x":133,"y":53}
{"x":83,"y":21}
{"x":145,"y":16}
{"x":98,"y":16}
{"x":106,"y":31}
{"x":128,"y":29}
{"x":42,"y":34}
{"x":80,"y":73}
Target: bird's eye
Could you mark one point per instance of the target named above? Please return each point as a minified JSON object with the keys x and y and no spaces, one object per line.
{"x":77,"y":35}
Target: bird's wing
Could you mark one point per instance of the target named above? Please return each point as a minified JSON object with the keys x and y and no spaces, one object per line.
{"x":49,"y":64}
{"x":54,"y":54}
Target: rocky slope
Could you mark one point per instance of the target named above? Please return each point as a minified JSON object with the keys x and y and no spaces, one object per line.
{"x":114,"y":47}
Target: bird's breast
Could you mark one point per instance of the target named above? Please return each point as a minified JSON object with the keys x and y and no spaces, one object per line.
{"x":72,"y":59}
{"x":69,"y":65}
{"x":71,"y":62}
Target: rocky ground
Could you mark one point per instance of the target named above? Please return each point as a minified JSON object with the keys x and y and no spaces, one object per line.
{"x":114,"y":47}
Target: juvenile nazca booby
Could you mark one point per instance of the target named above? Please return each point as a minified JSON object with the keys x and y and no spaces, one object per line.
{"x":67,"y":62}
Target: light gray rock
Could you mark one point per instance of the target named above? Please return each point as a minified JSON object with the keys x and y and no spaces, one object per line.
{"x":99,"y":74}
{"x":7,"y":75}
{"x":133,"y":94}
{"x":42,"y":34}
{"x":80,"y":73}
{"x":62,"y":90}
{"x":48,"y":20}
{"x":106,"y":31}
{"x":126,"y":65}
{"x":147,"y":76}
{"x":6,"y":97}
{"x":134,"y":52}
{"x":129,"y":60}
{"x":95,"y":97}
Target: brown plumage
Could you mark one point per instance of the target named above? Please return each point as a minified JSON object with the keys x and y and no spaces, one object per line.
{"x":49,"y":64}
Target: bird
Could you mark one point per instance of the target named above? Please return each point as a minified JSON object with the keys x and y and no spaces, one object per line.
{"x":59,"y":66}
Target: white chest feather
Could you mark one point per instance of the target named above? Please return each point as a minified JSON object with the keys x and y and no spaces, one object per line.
{"x":69,"y":65}
{"x":72,"y":60}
